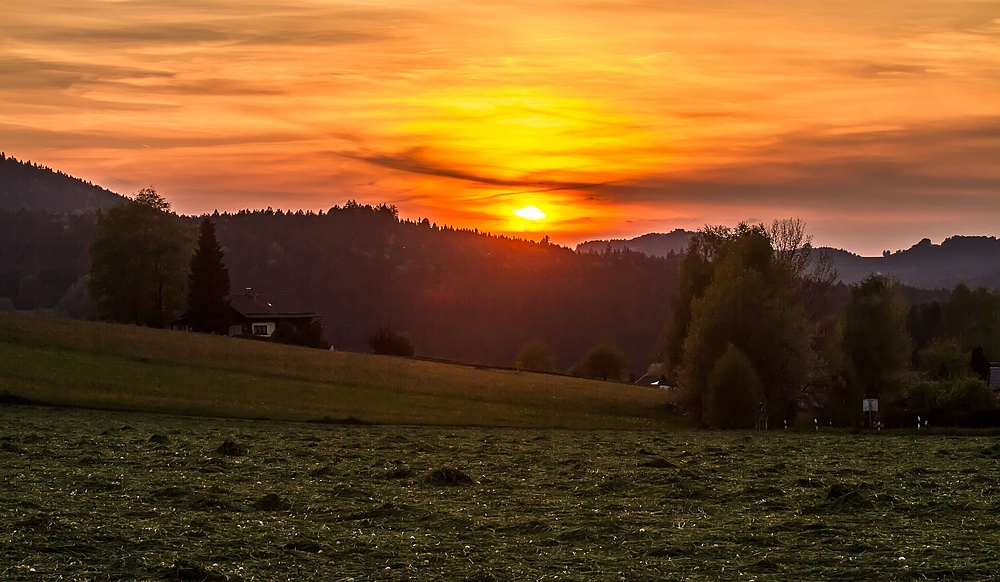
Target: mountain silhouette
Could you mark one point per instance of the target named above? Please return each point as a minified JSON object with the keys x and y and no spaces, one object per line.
{"x":28,"y":186}
{"x":973,"y":260}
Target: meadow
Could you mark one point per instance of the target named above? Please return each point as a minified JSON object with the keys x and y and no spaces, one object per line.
{"x":122,"y":367}
{"x":99,"y":495}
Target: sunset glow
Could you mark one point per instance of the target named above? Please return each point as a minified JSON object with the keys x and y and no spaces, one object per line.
{"x":530,"y":213}
{"x":876,"y":123}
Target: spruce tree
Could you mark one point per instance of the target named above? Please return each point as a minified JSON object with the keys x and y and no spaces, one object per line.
{"x":209,"y":284}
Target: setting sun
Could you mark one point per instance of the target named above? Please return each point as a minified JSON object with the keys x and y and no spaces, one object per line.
{"x":530,"y":213}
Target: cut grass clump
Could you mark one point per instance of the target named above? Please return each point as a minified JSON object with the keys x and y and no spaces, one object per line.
{"x":185,"y":570}
{"x":272,"y":502}
{"x":231,"y":449}
{"x":658,"y":463}
{"x":447,"y":476}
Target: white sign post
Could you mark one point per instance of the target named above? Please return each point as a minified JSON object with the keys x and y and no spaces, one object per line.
{"x":869,"y":405}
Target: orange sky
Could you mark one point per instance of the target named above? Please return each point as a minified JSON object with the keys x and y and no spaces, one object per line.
{"x":878,"y":123}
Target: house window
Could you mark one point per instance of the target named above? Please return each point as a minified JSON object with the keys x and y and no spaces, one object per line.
{"x":260,"y":329}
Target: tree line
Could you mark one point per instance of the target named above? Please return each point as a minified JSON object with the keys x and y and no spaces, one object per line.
{"x":754,"y":339}
{"x":751,"y":307}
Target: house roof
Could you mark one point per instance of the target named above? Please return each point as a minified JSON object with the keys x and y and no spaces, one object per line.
{"x":261,"y":306}
{"x":651,"y":380}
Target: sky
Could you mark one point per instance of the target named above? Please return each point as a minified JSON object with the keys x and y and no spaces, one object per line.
{"x":876,"y":123}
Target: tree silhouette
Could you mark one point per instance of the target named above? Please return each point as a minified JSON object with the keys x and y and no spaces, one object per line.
{"x":138,"y":260}
{"x":387,"y":342}
{"x":209,"y":284}
{"x":535,"y":357}
{"x":605,"y":362}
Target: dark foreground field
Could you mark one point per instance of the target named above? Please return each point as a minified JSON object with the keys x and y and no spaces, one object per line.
{"x":100,"y":495}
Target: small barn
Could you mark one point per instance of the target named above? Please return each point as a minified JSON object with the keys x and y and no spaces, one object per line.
{"x":259,"y":315}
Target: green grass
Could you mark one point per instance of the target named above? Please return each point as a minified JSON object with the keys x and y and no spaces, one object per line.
{"x":120,"y":367}
{"x":97,"y":495}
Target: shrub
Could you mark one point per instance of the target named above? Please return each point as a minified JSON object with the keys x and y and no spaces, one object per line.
{"x":734,"y":391}
{"x":605,"y":362}
{"x":535,"y":357}
{"x":387,"y":342}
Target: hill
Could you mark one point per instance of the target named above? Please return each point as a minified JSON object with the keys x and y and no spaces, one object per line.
{"x":654,"y":244}
{"x":460,"y":294}
{"x":28,"y":186}
{"x":973,"y":260}
{"x":121,"y":367}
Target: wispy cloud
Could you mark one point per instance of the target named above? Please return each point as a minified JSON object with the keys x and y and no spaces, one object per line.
{"x":610,"y":115}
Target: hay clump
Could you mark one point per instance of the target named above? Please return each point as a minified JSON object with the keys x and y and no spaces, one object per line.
{"x":185,"y":570}
{"x":447,"y":476}
{"x":272,"y":502}
{"x":324,"y":471}
{"x":231,"y":449}
{"x":658,"y":463}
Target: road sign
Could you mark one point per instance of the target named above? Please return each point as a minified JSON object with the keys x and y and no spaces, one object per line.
{"x":869,"y":405}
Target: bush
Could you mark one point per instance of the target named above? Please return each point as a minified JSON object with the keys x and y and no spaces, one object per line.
{"x":387,"y":342}
{"x":309,"y":335}
{"x":734,"y":391}
{"x":943,"y":359}
{"x":605,"y":362}
{"x":535,"y":357}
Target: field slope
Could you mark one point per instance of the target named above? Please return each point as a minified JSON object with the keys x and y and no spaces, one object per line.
{"x":119,"y":367}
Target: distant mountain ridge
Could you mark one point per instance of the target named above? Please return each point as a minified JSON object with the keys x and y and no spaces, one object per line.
{"x":28,"y":186}
{"x":973,"y":260}
{"x":654,"y":244}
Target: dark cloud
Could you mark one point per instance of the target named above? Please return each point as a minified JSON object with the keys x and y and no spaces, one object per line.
{"x":413,"y":163}
{"x":934,"y":165}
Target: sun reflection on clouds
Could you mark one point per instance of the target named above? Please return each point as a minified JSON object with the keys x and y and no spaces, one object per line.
{"x":597,"y":113}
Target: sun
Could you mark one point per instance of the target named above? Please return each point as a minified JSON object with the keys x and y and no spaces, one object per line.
{"x":530,"y":213}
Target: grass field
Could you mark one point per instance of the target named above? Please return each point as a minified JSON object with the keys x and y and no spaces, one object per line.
{"x":96,"y":495}
{"x":120,"y":367}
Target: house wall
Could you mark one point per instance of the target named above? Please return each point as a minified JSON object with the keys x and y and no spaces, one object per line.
{"x":267,"y":325}
{"x":247,"y":328}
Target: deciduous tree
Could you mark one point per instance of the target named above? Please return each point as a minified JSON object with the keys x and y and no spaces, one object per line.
{"x":535,"y":357}
{"x":138,"y":258}
{"x":875,"y":341}
{"x":605,"y":362}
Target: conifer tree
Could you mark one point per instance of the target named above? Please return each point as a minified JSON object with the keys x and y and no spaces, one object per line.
{"x":209,"y":284}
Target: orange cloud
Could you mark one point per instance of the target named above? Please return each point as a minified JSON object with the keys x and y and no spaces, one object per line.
{"x":613,"y":118}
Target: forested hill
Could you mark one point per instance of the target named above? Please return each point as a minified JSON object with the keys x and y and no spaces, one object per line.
{"x":973,"y":260}
{"x":24,"y":185}
{"x":654,"y":244}
{"x":460,"y":294}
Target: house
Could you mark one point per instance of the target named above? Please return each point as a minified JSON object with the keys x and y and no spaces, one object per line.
{"x":653,"y":381}
{"x":255,"y":315}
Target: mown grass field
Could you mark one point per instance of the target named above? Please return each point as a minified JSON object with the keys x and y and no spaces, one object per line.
{"x":120,"y":367}
{"x":96,"y":495}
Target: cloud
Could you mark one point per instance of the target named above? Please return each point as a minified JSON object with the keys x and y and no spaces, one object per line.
{"x":26,"y":73}
{"x":412,"y":162}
